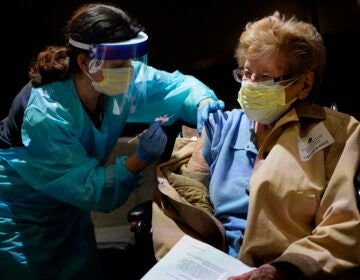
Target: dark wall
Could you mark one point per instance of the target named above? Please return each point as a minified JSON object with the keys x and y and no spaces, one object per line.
{"x":195,"y":37}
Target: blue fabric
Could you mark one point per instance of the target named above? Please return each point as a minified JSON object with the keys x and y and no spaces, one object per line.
{"x":230,"y":151}
{"x":183,"y":94}
{"x":10,"y":126}
{"x":45,"y":225}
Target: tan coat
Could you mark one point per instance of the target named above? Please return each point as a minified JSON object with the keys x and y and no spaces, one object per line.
{"x":304,"y":211}
{"x":181,"y":203}
{"x":302,"y":201}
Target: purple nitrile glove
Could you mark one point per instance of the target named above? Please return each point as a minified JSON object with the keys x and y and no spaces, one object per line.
{"x":152,"y":143}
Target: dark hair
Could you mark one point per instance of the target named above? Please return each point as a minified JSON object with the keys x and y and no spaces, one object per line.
{"x":50,"y":65}
{"x":89,"y":24}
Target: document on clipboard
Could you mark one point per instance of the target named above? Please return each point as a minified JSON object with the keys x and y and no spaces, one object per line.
{"x":191,"y":259}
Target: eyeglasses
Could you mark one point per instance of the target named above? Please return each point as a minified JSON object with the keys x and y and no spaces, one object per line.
{"x":240,"y":75}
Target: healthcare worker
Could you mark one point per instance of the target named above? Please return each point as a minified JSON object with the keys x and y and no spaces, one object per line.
{"x":70,"y":126}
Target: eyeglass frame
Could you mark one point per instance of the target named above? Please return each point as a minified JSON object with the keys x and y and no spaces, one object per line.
{"x":237,"y":75}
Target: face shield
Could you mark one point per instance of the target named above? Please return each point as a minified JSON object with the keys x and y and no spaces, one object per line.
{"x":126,"y":81}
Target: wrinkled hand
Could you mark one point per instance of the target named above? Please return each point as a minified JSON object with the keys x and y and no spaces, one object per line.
{"x":264,"y":272}
{"x":152,"y":143}
{"x":204,"y":110}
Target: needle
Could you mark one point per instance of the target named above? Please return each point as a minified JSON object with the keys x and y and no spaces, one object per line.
{"x":137,"y":136}
{"x":162,"y":120}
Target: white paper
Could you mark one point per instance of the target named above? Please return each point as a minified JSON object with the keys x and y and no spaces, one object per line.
{"x":191,"y":259}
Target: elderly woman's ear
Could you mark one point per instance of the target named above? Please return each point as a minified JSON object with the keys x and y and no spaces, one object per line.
{"x":307,"y":81}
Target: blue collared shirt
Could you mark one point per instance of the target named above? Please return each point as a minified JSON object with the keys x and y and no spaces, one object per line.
{"x":230,"y":151}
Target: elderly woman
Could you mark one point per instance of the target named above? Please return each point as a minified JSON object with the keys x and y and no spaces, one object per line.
{"x":281,"y":167}
{"x":286,"y":161}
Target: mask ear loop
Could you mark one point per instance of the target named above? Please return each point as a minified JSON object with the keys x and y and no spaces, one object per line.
{"x":95,"y":65}
{"x":289,"y":84}
{"x":96,"y":62}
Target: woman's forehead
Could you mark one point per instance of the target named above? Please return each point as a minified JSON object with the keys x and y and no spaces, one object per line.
{"x":274,"y":63}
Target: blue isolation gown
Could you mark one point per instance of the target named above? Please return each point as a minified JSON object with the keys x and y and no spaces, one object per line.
{"x":49,"y":187}
{"x":230,"y":150}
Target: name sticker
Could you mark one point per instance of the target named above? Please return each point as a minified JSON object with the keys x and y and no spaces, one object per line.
{"x":318,"y":138}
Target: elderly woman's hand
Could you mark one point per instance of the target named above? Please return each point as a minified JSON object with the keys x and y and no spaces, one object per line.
{"x":264,"y":272}
{"x":278,"y":271}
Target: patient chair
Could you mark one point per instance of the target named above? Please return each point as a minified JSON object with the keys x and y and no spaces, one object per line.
{"x":121,"y":256}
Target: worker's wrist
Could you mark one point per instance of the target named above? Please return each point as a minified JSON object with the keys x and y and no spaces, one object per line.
{"x":205,"y":100}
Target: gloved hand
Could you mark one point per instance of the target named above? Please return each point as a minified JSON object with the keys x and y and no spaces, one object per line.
{"x":204,"y":110}
{"x":152,"y":143}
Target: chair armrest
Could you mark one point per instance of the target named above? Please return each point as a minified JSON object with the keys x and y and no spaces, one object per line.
{"x":142,"y":211}
{"x":139,"y":218}
{"x":357,"y":187}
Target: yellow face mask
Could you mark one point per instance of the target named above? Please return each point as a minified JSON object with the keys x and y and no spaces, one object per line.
{"x":263,"y":102}
{"x":116,"y":80}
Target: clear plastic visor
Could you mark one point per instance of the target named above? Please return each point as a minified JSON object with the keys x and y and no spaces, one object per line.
{"x":133,"y":49}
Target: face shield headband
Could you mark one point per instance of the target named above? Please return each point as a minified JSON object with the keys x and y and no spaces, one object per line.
{"x":135,"y":49}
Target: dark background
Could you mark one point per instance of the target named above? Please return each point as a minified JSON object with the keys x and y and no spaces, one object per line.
{"x":197,"y":37}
